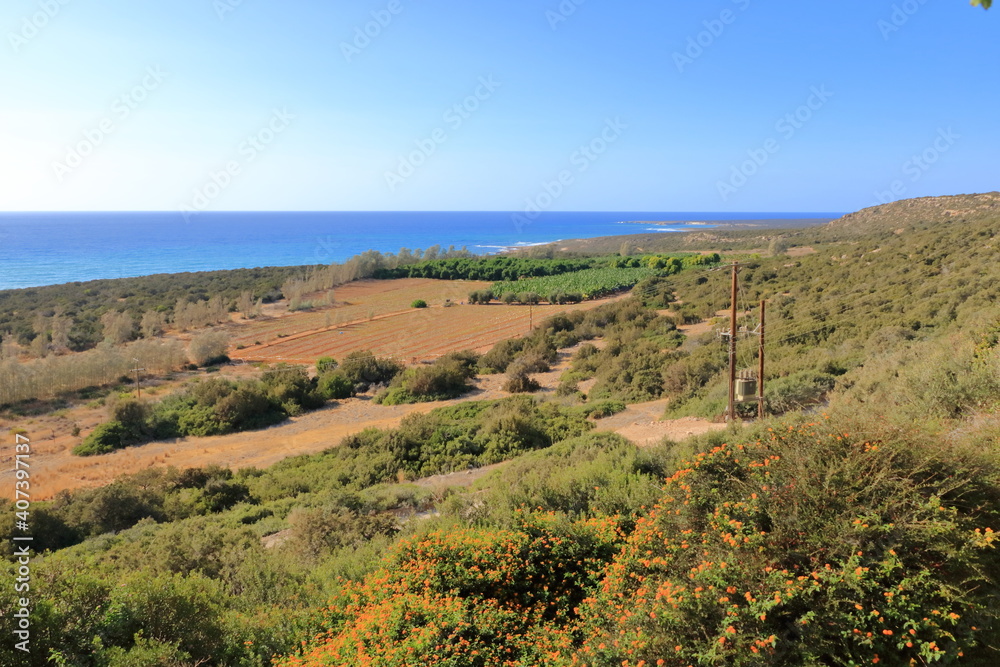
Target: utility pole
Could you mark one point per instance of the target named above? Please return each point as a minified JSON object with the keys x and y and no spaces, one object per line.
{"x":760,"y":373}
{"x":531,"y":317}
{"x":138,"y":390}
{"x":732,"y":345}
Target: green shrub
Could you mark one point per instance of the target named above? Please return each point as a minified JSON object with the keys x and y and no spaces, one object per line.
{"x":285,"y":383}
{"x":106,"y":438}
{"x":568,"y":388}
{"x":211,"y":407}
{"x":247,"y":408}
{"x":501,"y":355}
{"x":529,"y":298}
{"x":446,"y":378}
{"x":519,"y":382}
{"x":145,"y":653}
{"x":603,"y":409}
{"x":325,"y":365}
{"x":593,"y":475}
{"x":419,"y":303}
{"x":321,"y":531}
{"x":364,"y":369}
{"x":530,"y":361}
{"x":335,"y":386}
{"x":467,"y":359}
{"x":133,"y":415}
{"x":482,"y":297}
{"x":797,"y":391}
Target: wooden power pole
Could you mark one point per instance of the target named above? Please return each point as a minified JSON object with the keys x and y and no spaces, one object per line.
{"x":137,"y":370}
{"x":732,"y":345}
{"x":760,"y":372}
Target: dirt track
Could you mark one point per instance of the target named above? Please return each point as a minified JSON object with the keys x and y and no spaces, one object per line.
{"x":54,"y":468}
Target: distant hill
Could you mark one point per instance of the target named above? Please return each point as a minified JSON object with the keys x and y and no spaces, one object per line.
{"x":909,"y":213}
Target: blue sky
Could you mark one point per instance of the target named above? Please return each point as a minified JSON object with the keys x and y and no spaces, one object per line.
{"x":722,"y":105}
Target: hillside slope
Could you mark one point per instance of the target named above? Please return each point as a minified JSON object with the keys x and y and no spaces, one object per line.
{"x":911,"y":213}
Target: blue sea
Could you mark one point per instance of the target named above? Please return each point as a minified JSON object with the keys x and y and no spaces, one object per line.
{"x":53,"y":248}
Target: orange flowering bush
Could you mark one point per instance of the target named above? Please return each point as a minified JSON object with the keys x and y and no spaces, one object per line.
{"x":808,"y":547}
{"x":470,"y":597}
{"x":804,"y":547}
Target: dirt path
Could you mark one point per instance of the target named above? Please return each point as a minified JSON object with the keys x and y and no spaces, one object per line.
{"x":55,"y":469}
{"x":641,"y":424}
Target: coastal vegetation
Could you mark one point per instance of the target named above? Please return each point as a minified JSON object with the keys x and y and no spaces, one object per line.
{"x":206,"y":407}
{"x":77,"y":316}
{"x":856,"y":524}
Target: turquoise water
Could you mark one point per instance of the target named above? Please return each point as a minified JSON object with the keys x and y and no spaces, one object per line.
{"x":52,"y":248}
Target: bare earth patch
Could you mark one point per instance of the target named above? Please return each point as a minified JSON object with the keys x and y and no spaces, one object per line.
{"x":641,"y":424}
{"x":378,"y":317}
{"x":801,"y":251}
{"x":55,"y":469}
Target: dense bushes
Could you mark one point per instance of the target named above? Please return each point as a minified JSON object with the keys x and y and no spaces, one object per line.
{"x":597,"y":474}
{"x":469,"y":597}
{"x":335,"y":386}
{"x":519,"y":382}
{"x":209,"y":407}
{"x":456,"y":438}
{"x":481,"y":297}
{"x":104,"y":439}
{"x":326,"y":365}
{"x":638,"y":355}
{"x":494,"y":268}
{"x":358,"y":373}
{"x":805,"y":546}
{"x":195,"y":535}
{"x":446,"y":378}
{"x":501,"y":355}
{"x":364,"y":370}
{"x":811,"y":547}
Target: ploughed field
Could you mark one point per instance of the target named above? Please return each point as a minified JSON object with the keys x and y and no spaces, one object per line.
{"x":358,"y":301}
{"x":378,"y":317}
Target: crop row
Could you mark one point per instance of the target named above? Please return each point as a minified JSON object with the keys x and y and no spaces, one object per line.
{"x":422,"y":334}
{"x":358,"y":301}
{"x":590,"y":283}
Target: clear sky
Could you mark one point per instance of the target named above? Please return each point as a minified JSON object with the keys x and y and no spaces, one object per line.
{"x":718,"y":105}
